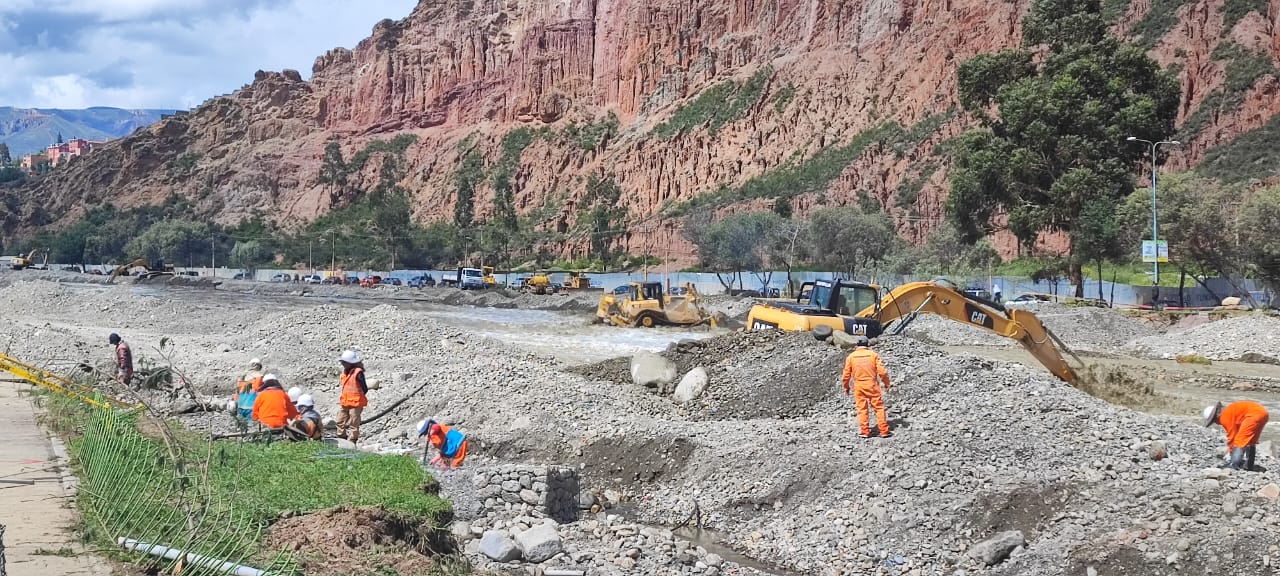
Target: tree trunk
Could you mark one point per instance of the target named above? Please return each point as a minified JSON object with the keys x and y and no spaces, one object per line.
{"x":791,"y":287}
{"x":1100,"y":296}
{"x":1076,"y":275}
{"x":1113,"y":288}
{"x":728,"y":287}
{"x":1182,"y":284}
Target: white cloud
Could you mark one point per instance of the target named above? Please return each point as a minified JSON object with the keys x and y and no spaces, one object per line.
{"x":166,"y":53}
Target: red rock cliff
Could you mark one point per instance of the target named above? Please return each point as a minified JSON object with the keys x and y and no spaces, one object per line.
{"x":474,"y":70}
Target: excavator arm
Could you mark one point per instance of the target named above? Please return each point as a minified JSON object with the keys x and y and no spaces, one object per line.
{"x":906,"y":302}
{"x":122,"y":270}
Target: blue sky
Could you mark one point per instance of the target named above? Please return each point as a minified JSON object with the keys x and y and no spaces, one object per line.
{"x":166,"y":53}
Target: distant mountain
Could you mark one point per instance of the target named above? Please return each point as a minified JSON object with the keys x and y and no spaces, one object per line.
{"x":28,"y":130}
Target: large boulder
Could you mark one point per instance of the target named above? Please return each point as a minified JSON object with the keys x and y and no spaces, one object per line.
{"x":540,"y":543}
{"x":996,"y":549}
{"x":652,"y":371}
{"x":842,"y":339}
{"x":498,"y":547}
{"x":691,"y":386}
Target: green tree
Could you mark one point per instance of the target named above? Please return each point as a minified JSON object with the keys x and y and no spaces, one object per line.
{"x":604,"y":217}
{"x":1260,"y":235}
{"x":470,"y":174}
{"x":5,"y":157}
{"x":847,"y":240}
{"x":179,"y":242}
{"x":944,"y":252}
{"x":734,"y":244}
{"x":1052,"y":147}
{"x":60,"y":138}
{"x":333,"y":169}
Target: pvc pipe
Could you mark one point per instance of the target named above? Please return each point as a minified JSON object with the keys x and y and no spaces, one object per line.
{"x":195,"y":560}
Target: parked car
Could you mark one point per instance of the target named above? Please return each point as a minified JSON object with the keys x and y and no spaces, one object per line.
{"x":679,"y":291}
{"x":422,"y":281}
{"x":978,"y":292}
{"x":189,"y":273}
{"x":331,"y":280}
{"x":393,"y":281}
{"x":623,"y":289}
{"x":353,"y":279}
{"x":281,"y":277}
{"x":242,"y":276}
{"x":312,"y":279}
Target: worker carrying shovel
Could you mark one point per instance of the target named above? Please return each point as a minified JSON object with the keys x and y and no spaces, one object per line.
{"x":867,"y":371}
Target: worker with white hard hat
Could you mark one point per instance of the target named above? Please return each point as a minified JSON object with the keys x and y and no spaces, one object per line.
{"x":352,"y":395}
{"x":308,"y":425}
{"x":273,"y":408}
{"x":294,"y":394}
{"x":1243,"y":422}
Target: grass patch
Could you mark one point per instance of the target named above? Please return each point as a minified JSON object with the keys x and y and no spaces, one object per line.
{"x":274,"y":472}
{"x":1233,"y":11}
{"x":593,"y":135}
{"x":1244,"y":68}
{"x":784,"y":97}
{"x":395,"y":146}
{"x":64,"y":552}
{"x":1250,"y":156}
{"x":1158,"y":21}
{"x":717,"y":106}
{"x":1193,"y":359}
{"x":908,"y":192}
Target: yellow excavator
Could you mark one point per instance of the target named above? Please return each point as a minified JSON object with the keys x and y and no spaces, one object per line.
{"x":857,"y":308}
{"x":159,"y":268}
{"x":646,"y":306}
{"x":20,"y":261}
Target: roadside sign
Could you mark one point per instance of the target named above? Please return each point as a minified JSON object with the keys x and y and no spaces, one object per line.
{"x":1151,"y":252}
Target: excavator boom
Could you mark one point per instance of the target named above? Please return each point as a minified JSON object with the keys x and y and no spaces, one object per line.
{"x":905,"y":302}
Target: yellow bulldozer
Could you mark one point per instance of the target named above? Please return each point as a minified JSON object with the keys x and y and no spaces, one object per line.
{"x":578,"y":281}
{"x":646,"y":306}
{"x":21,"y":261}
{"x":857,"y":308}
{"x":539,"y":283}
{"x":149,"y":270}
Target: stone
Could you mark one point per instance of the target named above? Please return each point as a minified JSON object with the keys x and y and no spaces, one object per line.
{"x":842,"y":339}
{"x":540,"y":543}
{"x":461,"y":530}
{"x":1157,"y":451}
{"x":651,"y":370}
{"x":498,"y":547}
{"x":586,"y":499}
{"x":1091,"y":571}
{"x":624,"y":563}
{"x":713,"y":560}
{"x":529,"y":497}
{"x":1271,"y":491}
{"x":996,"y":549}
{"x":511,"y":486}
{"x":1230,"y":503}
{"x":691,"y":386}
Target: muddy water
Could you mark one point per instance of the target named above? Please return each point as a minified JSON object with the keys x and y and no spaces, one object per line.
{"x":710,"y":541}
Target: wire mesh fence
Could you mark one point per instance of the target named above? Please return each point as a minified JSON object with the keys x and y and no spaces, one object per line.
{"x":150,"y":494}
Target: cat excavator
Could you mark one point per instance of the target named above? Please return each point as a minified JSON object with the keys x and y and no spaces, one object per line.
{"x":857,"y":308}
{"x":159,"y":268}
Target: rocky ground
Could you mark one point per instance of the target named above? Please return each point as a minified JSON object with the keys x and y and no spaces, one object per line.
{"x":1252,"y":338}
{"x":994,"y":468}
{"x":1083,"y":328}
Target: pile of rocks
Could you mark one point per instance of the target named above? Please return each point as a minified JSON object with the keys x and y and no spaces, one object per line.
{"x":1084,"y":328}
{"x":1254,"y":338}
{"x":550,"y":491}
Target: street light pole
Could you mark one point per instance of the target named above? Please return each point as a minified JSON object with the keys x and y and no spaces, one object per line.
{"x":1155,"y":226}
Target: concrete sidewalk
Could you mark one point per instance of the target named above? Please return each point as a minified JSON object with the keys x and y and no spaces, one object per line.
{"x":37,"y":518}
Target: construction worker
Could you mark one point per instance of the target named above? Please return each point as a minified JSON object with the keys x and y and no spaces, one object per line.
{"x":867,"y":371}
{"x":272,"y":408}
{"x":247,"y":389}
{"x":352,"y":396}
{"x":309,"y":425}
{"x":1243,"y":422}
{"x":124,"y":360}
{"x":294,"y":394}
{"x":451,"y":445}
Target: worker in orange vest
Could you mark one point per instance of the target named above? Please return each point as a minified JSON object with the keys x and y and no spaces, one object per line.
{"x":1243,"y":421}
{"x":867,"y":372}
{"x":247,"y":389}
{"x":273,"y":408}
{"x":352,"y":397}
{"x":451,"y":445}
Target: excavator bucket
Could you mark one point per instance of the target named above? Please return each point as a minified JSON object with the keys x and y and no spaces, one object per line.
{"x":1040,"y":341}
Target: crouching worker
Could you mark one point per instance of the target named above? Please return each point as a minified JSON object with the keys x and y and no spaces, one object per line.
{"x":1243,"y":422}
{"x":450,"y":444}
{"x":308,"y":426}
{"x":272,"y":408}
{"x":247,"y":389}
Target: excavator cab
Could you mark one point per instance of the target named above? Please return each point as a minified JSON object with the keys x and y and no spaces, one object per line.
{"x":832,"y":303}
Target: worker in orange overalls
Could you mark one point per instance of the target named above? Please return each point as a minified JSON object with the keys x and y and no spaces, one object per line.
{"x":1243,"y":422}
{"x":867,"y":371}
{"x":273,"y":408}
{"x":352,"y":398}
{"x":451,"y":445}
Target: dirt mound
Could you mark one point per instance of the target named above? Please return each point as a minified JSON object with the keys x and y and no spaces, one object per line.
{"x":1083,"y":328}
{"x":1254,"y":337}
{"x":344,"y":540}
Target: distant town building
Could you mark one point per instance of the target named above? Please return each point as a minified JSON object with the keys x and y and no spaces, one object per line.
{"x":58,"y":154}
{"x":34,"y":162}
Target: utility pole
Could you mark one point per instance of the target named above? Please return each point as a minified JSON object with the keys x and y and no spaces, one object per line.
{"x":1155,"y":227}
{"x":310,"y":263}
{"x":213,"y":256}
{"x":333,"y":254}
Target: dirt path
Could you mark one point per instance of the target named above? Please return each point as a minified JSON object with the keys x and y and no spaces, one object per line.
{"x":37,"y":517}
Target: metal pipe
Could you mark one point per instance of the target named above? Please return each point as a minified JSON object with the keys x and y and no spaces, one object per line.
{"x":195,"y":560}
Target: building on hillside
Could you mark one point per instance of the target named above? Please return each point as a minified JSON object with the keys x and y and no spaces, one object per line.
{"x":32,"y":163}
{"x":59,"y":154}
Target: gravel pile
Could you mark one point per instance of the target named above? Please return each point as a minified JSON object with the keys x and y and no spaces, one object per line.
{"x":1101,"y":330}
{"x":1254,"y":338}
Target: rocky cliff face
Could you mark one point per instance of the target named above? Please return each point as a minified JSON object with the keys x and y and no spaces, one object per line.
{"x":707,"y":94}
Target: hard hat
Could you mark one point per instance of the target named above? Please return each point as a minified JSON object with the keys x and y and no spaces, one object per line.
{"x":113,"y":338}
{"x":294,"y":394}
{"x":1210,"y":413}
{"x":420,"y":427}
{"x":256,"y":364}
{"x":862,"y":341}
{"x":270,"y":378}
{"x":306,"y":400}
{"x":350,"y":357}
